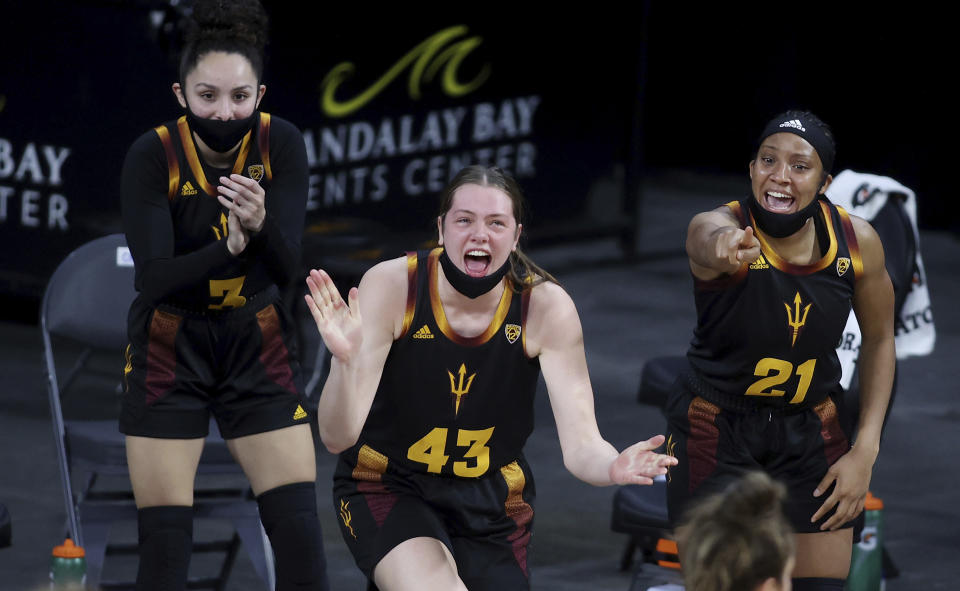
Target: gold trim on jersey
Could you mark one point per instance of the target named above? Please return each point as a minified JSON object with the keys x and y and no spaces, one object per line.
{"x":441,"y":318}
{"x":524,"y":308}
{"x":193,"y":159}
{"x":173,"y":165}
{"x":371,"y":465}
{"x":856,"y":259}
{"x":411,"y":295}
{"x":263,"y":141}
{"x":778,"y":262}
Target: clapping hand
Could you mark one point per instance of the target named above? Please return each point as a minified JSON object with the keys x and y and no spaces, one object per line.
{"x":339,"y":324}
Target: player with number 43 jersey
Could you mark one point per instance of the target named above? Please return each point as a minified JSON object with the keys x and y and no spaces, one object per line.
{"x":430,"y":399}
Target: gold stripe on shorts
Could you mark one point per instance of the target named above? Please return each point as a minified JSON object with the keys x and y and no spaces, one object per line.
{"x":371,"y":465}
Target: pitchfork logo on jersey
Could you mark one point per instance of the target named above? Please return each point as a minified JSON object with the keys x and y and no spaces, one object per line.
{"x":458,"y":389}
{"x":512,"y":332}
{"x":796,"y":319}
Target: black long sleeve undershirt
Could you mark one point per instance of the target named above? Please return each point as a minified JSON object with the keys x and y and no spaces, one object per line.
{"x":162,"y":266}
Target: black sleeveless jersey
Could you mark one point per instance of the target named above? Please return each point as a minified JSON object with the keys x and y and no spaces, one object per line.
{"x":447,"y":404}
{"x":769,"y":331}
{"x":171,"y":212}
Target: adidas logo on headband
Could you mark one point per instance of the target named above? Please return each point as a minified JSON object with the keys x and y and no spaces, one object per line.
{"x":795,"y":123}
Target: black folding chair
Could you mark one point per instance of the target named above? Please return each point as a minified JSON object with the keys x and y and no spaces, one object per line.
{"x":84,"y":328}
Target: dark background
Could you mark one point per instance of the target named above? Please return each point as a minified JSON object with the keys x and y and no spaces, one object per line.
{"x":661,"y":101}
{"x":625,"y":96}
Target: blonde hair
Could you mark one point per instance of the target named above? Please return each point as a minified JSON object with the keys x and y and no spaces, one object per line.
{"x":737,"y":539}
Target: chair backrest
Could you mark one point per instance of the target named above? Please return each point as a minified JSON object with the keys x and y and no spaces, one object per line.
{"x":88,"y":296}
{"x":86,"y":300}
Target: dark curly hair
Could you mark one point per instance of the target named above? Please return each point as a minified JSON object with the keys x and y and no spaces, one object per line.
{"x":231,"y":26}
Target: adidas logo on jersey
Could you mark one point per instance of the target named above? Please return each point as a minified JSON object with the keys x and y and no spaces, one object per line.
{"x":760,"y":263}
{"x":423,"y":333}
{"x":795,"y":123}
{"x":187,"y":189}
{"x":299,"y":414}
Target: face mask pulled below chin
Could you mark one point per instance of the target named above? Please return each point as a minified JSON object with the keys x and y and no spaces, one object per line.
{"x":781,"y":225}
{"x":221,"y":136}
{"x":472,"y":287}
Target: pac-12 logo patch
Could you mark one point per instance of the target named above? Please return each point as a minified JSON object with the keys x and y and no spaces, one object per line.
{"x":843,"y":263}
{"x":512,"y":332}
{"x":255,"y":171}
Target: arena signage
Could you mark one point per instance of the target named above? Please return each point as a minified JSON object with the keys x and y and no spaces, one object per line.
{"x":357,"y":158}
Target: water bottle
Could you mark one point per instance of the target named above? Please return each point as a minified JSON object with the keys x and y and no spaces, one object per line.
{"x":866,"y":564}
{"x":68,"y":567}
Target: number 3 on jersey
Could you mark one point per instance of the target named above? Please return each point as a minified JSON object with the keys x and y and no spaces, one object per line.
{"x":229,"y":290}
{"x":431,"y":450}
{"x":782,"y":371}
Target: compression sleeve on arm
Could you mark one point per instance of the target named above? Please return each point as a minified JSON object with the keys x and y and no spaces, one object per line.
{"x":148,"y":226}
{"x":278,"y":242}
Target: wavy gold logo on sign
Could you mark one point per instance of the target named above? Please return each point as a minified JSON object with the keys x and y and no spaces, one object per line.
{"x":425,"y":60}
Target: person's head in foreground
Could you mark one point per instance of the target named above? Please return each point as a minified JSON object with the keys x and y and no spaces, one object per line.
{"x":739,"y":539}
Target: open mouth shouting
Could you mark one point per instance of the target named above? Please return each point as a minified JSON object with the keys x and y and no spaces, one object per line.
{"x":778,"y":202}
{"x":476,"y":262}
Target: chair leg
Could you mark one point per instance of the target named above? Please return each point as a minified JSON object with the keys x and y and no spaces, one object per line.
{"x":626,"y":559}
{"x":258,"y":547}
{"x":95,"y":536}
{"x":890,"y":570}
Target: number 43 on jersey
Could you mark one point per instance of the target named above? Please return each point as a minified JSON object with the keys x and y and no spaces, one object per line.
{"x":431,"y":450}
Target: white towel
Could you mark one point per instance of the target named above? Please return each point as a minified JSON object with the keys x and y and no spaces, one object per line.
{"x":863,"y":195}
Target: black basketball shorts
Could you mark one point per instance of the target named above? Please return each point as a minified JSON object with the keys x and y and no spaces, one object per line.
{"x":240,"y":365}
{"x":717,"y":445}
{"x":485,"y":522}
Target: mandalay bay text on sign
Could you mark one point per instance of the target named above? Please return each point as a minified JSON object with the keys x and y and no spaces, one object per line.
{"x":366,"y":160}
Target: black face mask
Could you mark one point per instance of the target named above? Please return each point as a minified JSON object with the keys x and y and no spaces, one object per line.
{"x":221,"y":136}
{"x":781,"y":225}
{"x":472,"y":287}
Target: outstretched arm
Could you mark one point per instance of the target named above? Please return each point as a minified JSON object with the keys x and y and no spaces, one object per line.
{"x":716,"y":245}
{"x":873,"y":304}
{"x":555,"y":335}
{"x":359,"y":336}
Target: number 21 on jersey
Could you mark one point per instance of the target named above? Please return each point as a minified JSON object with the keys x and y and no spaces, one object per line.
{"x":774,"y":372}
{"x":431,"y":450}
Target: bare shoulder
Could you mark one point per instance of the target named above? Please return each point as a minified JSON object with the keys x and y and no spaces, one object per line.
{"x":552,"y":318}
{"x":864,"y":230}
{"x":387,"y":274}
{"x":383,"y":293}
{"x":871,"y":249}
